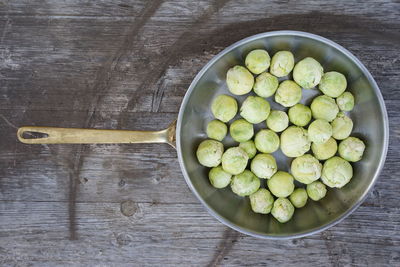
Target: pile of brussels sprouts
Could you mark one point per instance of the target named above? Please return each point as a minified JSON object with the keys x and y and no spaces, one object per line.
{"x":243,"y":166}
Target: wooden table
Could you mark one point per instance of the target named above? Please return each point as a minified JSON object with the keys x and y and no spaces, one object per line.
{"x":127,"y":65}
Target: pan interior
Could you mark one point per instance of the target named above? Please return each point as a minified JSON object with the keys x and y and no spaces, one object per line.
{"x":370,"y":124}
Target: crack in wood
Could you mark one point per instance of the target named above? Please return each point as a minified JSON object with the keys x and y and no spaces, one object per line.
{"x":333,"y":256}
{"x":229,"y":238}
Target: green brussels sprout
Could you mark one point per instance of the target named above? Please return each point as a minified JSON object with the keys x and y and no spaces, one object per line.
{"x":351,"y":149}
{"x":265,"y":85}
{"x":333,"y":84}
{"x":209,"y":153}
{"x":277,"y":121}
{"x":266,"y":141}
{"x":324,"y":107}
{"x":306,"y":169}
{"x":282,"y":210}
{"x":257,"y":61}
{"x":255,"y":109}
{"x":234,"y":160}
{"x":300,"y":115}
{"x":249,"y":147}
{"x":281,"y":184}
{"x":325,"y":150}
{"x":294,"y":142}
{"x":241,"y":130}
{"x":239,"y":80}
{"x":264,"y":166}
{"x":299,"y":197}
{"x":316,"y":190}
{"x":245,"y":183}
{"x":288,"y":93}
{"x":307,"y":73}
{"x":336,"y":172}
{"x":217,"y":130}
{"x":319,"y":131}
{"x":261,"y":201}
{"x":341,"y":126}
{"x":224,"y":108}
{"x":219,"y":178}
{"x":282,"y":63}
{"x":345,"y":101}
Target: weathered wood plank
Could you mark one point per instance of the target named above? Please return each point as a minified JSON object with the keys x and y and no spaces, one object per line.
{"x":127,"y":65}
{"x":180,"y":234}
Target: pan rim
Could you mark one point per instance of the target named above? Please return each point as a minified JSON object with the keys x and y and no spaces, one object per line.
{"x":362,"y":198}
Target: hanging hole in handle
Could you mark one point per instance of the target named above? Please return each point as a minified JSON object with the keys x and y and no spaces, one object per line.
{"x":33,"y":135}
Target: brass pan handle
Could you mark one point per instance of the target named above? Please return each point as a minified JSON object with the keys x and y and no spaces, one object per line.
{"x":55,"y":135}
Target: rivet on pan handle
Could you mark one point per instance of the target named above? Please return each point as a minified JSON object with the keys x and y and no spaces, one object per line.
{"x":55,"y":135}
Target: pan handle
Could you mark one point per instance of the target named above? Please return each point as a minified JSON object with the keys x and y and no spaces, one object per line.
{"x":55,"y":135}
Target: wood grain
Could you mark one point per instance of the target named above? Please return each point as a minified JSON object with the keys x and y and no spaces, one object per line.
{"x":127,"y":65}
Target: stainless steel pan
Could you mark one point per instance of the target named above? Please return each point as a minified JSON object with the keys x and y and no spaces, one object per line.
{"x":370,"y":123}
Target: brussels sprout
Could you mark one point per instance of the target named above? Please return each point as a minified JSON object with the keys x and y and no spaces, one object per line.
{"x":245,"y":183}
{"x":224,"y":108}
{"x":261,"y":201}
{"x":282,"y":210}
{"x":241,"y":130}
{"x":209,"y":153}
{"x":306,"y":169}
{"x":316,"y":190}
{"x":265,"y":85}
{"x":333,"y":84}
{"x":299,"y":197}
{"x":281,"y":184}
{"x":325,"y":150}
{"x":319,"y":131}
{"x":341,"y":126}
{"x":336,"y":172}
{"x":217,"y":130}
{"x":257,"y":61}
{"x":300,"y":115}
{"x":277,"y":120}
{"x":219,"y":178}
{"x":234,"y":160}
{"x":266,"y":141}
{"x":288,"y":93}
{"x":282,"y":63}
{"x":345,"y":101}
{"x":307,"y":73}
{"x":249,"y":147}
{"x":294,"y":141}
{"x":351,"y":149}
{"x":255,"y":109}
{"x":323,"y":107}
{"x":239,"y":80}
{"x":264,"y":166}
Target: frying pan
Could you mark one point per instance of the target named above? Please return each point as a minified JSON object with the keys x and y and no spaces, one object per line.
{"x":369,"y":117}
